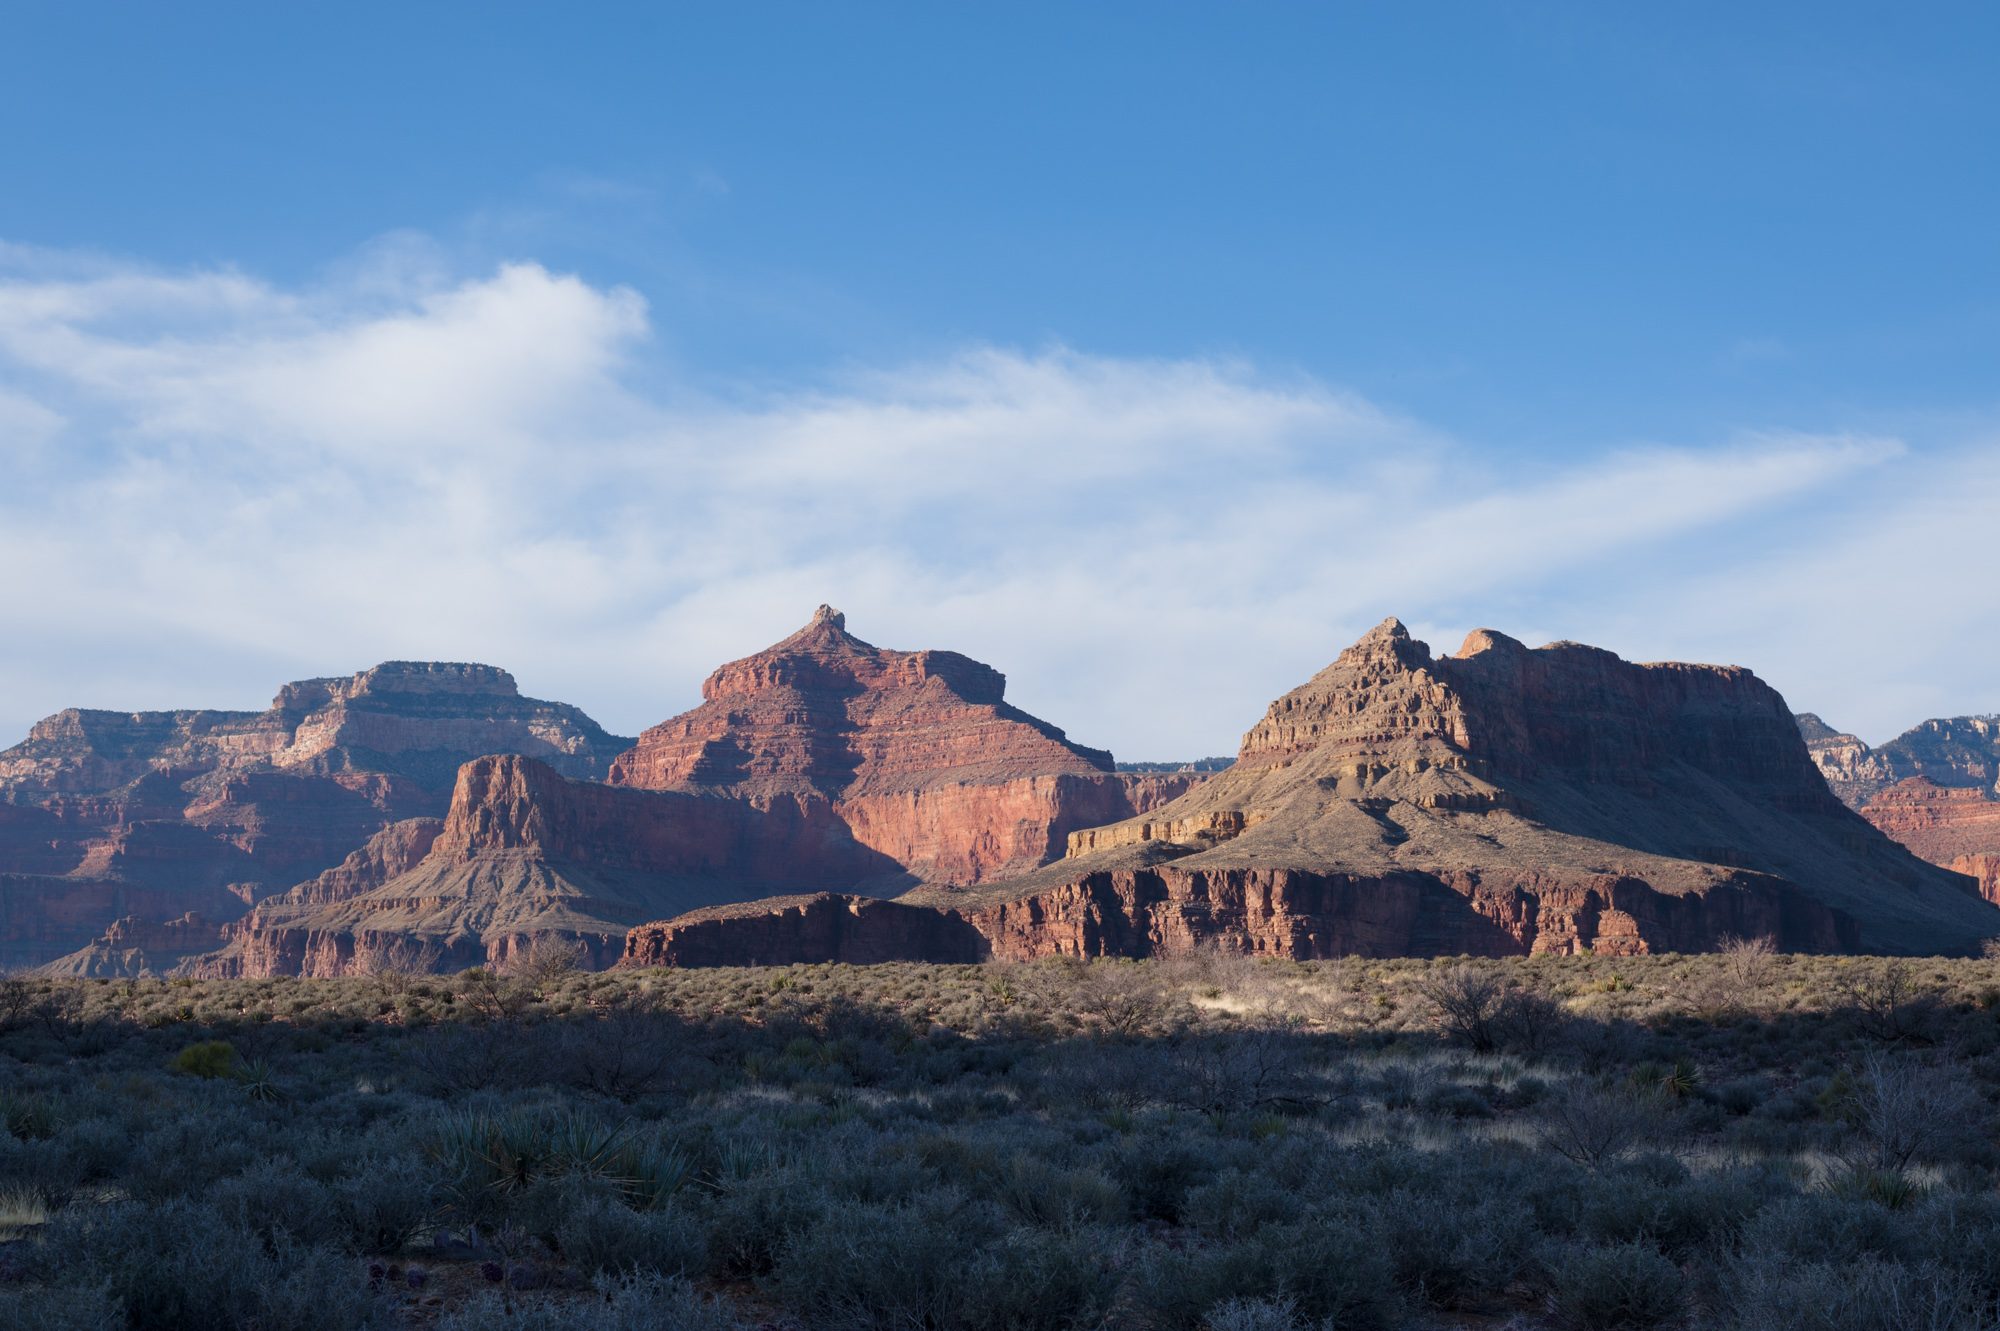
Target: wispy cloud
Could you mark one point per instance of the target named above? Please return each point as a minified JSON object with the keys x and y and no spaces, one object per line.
{"x":211,"y":484}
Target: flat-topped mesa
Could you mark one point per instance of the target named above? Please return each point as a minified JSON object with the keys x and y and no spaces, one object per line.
{"x":916,"y":752}
{"x":398,"y":678}
{"x":418,"y":719}
{"x":1501,"y":798}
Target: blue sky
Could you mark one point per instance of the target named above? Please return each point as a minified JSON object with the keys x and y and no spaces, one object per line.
{"x":604,"y":341}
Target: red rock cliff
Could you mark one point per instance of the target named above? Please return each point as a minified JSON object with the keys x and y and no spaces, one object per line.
{"x":527,"y":857}
{"x":1500,"y":800}
{"x":1935,"y":788}
{"x":155,"y":814}
{"x":917,"y":753}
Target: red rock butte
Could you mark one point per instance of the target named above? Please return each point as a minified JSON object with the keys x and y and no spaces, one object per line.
{"x":1500,"y":800}
{"x":822,"y":761}
{"x":917,"y":753}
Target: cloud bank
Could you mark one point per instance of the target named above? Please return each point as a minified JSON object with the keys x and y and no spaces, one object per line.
{"x":209,"y":485}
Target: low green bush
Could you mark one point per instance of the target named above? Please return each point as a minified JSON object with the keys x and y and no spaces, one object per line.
{"x":207,"y":1059}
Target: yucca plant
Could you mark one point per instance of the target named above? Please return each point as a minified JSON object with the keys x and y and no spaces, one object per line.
{"x":29,"y":1117}
{"x":488,"y":1156}
{"x":652,"y":1176}
{"x":260,"y":1083}
{"x":578,"y":1143}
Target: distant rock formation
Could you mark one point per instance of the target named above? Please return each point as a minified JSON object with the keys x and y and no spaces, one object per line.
{"x":821,"y":762}
{"x":416,"y":719}
{"x":526,"y":857}
{"x":1502,"y":800}
{"x":1935,"y":788}
{"x":917,"y":753}
{"x":140,"y":818}
{"x":132,"y":948}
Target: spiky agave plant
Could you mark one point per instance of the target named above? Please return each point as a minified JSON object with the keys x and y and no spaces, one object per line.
{"x":259,"y":1083}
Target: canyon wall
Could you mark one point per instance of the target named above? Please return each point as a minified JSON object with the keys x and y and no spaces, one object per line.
{"x":917,"y":753}
{"x":1935,"y":788}
{"x":1501,"y":800}
{"x":113,"y":822}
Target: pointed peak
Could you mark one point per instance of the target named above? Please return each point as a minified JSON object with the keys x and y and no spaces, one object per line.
{"x":826,"y":629}
{"x":1387,"y":641}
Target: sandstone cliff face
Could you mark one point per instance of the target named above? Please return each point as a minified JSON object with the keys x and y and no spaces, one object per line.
{"x":416,"y":719}
{"x":1957,"y":827}
{"x":1852,"y":770}
{"x":820,"y":762}
{"x":135,"y":948}
{"x":1958,"y":752}
{"x":1500,"y":800}
{"x":1934,"y":788}
{"x":1565,"y":795}
{"x":525,"y":857}
{"x":155,"y":814}
{"x":917,"y":753}
{"x":1315,"y":915}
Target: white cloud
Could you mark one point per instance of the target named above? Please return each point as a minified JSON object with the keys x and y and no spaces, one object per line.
{"x":218,"y":484}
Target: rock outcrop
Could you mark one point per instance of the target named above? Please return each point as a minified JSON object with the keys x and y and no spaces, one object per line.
{"x":417,"y":719}
{"x":153,"y":815}
{"x":1935,"y":788}
{"x":1500,"y":800}
{"x":822,"y":762}
{"x":527,"y":858}
{"x":917,"y":753}
{"x":1957,"y":827}
{"x":823,"y":927}
{"x":134,"y":948}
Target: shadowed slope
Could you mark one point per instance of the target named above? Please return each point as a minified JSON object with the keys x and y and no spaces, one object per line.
{"x":141,"y":818}
{"x":1499,"y":800}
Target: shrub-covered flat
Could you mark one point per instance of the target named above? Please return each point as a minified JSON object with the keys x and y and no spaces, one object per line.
{"x":1732,"y":1141}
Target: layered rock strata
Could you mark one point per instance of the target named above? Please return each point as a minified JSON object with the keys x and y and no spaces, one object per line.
{"x":917,"y":753}
{"x":152,"y":815}
{"x":1935,"y":788}
{"x":1501,"y":800}
{"x":527,"y":858}
{"x":822,"y":762}
{"x":135,"y":948}
{"x":1957,"y":827}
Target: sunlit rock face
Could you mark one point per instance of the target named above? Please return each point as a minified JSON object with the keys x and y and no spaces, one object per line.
{"x":917,"y":753}
{"x":1935,"y":788}
{"x":139,"y":818}
{"x":821,"y":762}
{"x":1500,"y":800}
